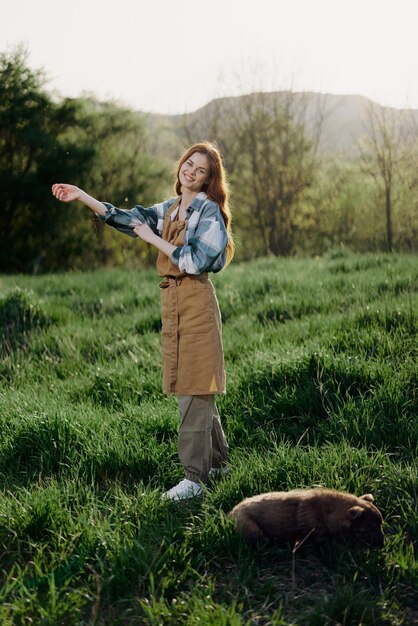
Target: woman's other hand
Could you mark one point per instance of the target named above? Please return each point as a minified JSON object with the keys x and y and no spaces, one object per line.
{"x":66,"y":193}
{"x":145,"y":233}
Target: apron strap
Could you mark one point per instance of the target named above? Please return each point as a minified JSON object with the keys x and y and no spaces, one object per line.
{"x":169,"y":213}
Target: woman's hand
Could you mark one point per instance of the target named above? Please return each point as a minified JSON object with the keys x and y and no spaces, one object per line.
{"x":66,"y":193}
{"x":145,"y":233}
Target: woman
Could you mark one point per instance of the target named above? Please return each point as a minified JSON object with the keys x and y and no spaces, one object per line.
{"x":192,"y":232}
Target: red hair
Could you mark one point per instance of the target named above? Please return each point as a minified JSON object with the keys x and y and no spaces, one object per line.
{"x":216,"y":188}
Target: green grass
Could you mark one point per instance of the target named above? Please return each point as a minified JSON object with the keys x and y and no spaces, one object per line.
{"x":322,"y":368}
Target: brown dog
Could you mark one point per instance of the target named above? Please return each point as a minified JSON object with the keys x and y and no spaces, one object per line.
{"x":318,"y":513}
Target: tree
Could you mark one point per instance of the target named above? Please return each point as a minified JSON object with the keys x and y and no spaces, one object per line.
{"x":122,"y":172}
{"x":270,"y":145}
{"x":386,"y":154}
{"x":31,"y":155}
{"x":276,"y":163}
{"x":99,"y":146}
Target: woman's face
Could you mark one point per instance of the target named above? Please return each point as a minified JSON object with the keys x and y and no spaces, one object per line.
{"x":194,"y":172}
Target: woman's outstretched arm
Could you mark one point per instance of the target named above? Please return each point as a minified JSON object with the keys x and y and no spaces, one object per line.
{"x":124,"y":220}
{"x":68,"y":193}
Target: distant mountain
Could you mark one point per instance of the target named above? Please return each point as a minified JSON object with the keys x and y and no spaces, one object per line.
{"x":345,"y":121}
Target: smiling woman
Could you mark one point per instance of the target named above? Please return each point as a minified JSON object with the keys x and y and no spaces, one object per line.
{"x":192,"y":232}
{"x":194,"y":172}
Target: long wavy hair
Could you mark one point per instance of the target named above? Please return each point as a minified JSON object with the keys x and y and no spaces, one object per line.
{"x":216,"y":188}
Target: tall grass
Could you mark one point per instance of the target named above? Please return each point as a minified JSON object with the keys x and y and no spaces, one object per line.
{"x":322,"y":390}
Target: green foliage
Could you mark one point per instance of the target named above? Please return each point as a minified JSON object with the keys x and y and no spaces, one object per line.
{"x":100,"y":146}
{"x":122,"y":172}
{"x":32,"y":154}
{"x":291,"y":196}
{"x":346,"y":206}
{"x":322,"y":390}
{"x":275,"y":166}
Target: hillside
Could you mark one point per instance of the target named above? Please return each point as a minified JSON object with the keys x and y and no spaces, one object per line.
{"x":344,"y":121}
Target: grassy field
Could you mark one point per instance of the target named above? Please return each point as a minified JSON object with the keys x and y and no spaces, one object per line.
{"x":322,"y":369}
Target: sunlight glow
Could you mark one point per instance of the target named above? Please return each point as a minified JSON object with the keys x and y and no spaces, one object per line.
{"x":169,"y":57}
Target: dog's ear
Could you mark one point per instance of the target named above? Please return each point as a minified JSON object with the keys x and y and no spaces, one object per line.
{"x":368,"y":497}
{"x":355,"y":512}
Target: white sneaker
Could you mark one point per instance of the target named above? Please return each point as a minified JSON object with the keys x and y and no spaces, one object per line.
{"x":185,"y":489}
{"x":214,"y":472}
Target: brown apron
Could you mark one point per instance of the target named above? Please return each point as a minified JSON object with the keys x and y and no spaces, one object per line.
{"x":193,"y":362}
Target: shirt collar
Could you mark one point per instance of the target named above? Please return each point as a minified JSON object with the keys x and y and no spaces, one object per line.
{"x":195,"y":205}
{"x":197,"y":202}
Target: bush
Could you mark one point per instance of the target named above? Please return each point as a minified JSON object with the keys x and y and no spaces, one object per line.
{"x":20,"y":313}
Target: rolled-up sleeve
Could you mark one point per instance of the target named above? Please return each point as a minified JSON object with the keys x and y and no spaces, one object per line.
{"x":206,"y":250}
{"x":125,"y":220}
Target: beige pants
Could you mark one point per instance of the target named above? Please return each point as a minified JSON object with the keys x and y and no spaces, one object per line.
{"x":202,"y":443}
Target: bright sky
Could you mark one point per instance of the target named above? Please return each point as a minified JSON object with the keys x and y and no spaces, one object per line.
{"x":171,"y":56}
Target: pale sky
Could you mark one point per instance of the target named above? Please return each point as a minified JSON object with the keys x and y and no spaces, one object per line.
{"x":173,"y":57}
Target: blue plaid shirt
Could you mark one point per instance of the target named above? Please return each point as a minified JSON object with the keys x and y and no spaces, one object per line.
{"x":205,"y":237}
